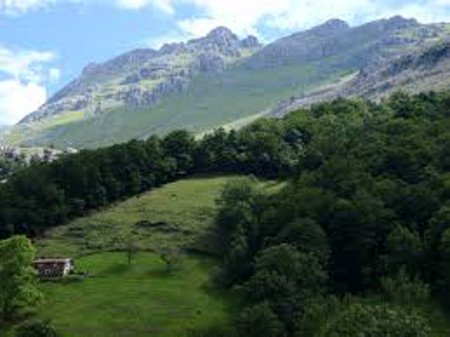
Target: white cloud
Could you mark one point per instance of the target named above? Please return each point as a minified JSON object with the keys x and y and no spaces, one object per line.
{"x":163,"y":5}
{"x":15,"y":7}
{"x":23,"y":89}
{"x":241,"y":16}
{"x":250,"y":16}
{"x":442,"y":2}
{"x":25,"y":65}
{"x":18,"y":99}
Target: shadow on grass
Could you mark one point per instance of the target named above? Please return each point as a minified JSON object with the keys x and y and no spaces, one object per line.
{"x":116,"y":270}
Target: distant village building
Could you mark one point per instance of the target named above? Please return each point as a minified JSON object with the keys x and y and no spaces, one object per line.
{"x":29,"y":154}
{"x":53,"y":267}
{"x":70,"y":150}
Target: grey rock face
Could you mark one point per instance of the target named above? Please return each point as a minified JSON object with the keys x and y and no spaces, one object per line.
{"x":136,"y":96}
{"x":172,"y":48}
{"x":67,"y":104}
{"x":330,"y":27}
{"x":352,"y":46}
{"x":219,"y":41}
{"x":250,"y":42}
{"x":210,"y":63}
{"x":399,"y":22}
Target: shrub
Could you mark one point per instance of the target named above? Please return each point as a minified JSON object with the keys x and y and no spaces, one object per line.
{"x":376,"y":321}
{"x":401,"y":289}
{"x":37,"y":329}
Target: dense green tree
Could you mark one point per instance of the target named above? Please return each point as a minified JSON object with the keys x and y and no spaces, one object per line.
{"x":285,"y":278}
{"x":405,"y":106}
{"x":259,"y":321}
{"x":404,"y":250}
{"x":306,"y":236}
{"x":18,"y":288}
{"x":179,"y":145}
{"x":444,"y":271}
{"x":347,"y":236}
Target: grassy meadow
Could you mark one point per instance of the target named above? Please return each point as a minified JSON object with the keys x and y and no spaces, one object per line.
{"x":178,"y":215}
{"x":137,"y":300}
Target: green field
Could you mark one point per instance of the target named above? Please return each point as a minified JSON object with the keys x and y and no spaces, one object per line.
{"x":119,"y":300}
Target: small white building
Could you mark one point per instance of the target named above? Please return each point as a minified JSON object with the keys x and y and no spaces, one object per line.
{"x":53,"y":267}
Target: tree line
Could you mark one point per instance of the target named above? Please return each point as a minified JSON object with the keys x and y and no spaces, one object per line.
{"x":45,"y":195}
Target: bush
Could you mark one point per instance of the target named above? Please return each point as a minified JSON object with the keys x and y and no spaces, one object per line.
{"x":376,"y":321}
{"x":37,"y":329}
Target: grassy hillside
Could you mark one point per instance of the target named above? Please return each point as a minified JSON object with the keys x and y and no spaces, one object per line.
{"x":116,"y":299}
{"x":120,"y":300}
{"x":178,"y":215}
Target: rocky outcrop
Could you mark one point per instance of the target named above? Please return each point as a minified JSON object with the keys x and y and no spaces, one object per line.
{"x":330,"y":27}
{"x":72,"y":103}
{"x":219,"y":41}
{"x":172,"y":48}
{"x":250,"y":42}
{"x":210,"y":63}
{"x":351,"y":47}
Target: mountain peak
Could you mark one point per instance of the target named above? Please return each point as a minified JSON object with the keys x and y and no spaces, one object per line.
{"x":222,"y":32}
{"x":399,"y":21}
{"x":331,"y":25}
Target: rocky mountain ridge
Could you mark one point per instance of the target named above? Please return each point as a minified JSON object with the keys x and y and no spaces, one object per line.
{"x":142,"y":77}
{"x":412,"y":72}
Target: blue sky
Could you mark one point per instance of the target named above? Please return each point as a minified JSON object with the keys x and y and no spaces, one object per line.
{"x":45,"y":43}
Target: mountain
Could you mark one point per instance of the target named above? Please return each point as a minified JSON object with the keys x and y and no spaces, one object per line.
{"x":142,"y":77}
{"x":218,"y":79}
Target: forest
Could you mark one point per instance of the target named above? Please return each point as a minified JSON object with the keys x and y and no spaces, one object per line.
{"x":364,"y":214}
